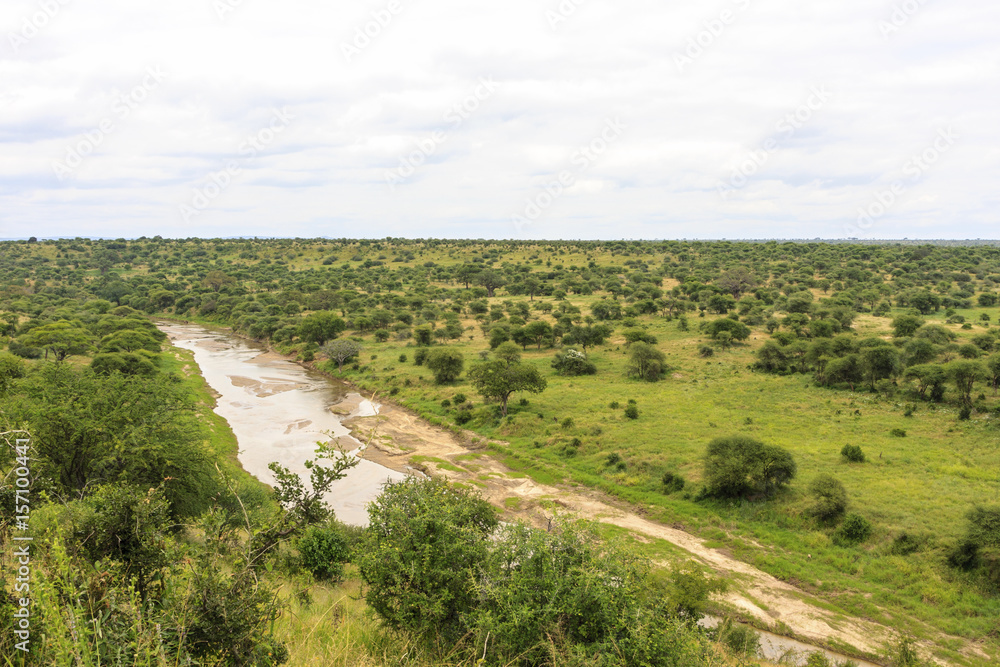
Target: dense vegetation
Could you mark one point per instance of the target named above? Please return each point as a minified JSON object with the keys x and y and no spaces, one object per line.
{"x":856,"y":383}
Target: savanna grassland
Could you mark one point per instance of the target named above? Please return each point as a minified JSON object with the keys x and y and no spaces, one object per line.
{"x":815,"y":351}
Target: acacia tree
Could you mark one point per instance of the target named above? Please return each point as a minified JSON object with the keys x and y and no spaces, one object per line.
{"x":964,"y":374}
{"x":320,"y":327}
{"x":340,"y":351}
{"x":498,"y":379}
{"x":60,"y":338}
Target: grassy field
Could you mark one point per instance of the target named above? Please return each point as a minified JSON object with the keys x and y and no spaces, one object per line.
{"x":921,"y":484}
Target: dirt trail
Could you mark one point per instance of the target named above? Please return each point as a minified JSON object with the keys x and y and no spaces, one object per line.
{"x":403,"y":440}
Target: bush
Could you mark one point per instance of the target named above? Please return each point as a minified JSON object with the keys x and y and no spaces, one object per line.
{"x":323,"y":550}
{"x":738,"y":638}
{"x":830,"y":498}
{"x":570,"y":362}
{"x":741,"y":466}
{"x":897,"y":433}
{"x":446,"y":364}
{"x":419,"y":357}
{"x":459,"y":399}
{"x":673,"y":482}
{"x":632,"y":412}
{"x":853,"y":454}
{"x":706,"y":351}
{"x":854,"y":530}
{"x":424,"y":541}
{"x":402,"y":358}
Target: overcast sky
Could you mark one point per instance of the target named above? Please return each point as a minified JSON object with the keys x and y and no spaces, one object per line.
{"x":586,"y":119}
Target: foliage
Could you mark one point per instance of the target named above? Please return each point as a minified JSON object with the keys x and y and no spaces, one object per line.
{"x":423,"y":545}
{"x":341,"y":351}
{"x":738,"y":465}
{"x":90,"y":429}
{"x":853,"y":530}
{"x":446,"y":364}
{"x":497,"y":380}
{"x":571,"y":362}
{"x":646,"y":362}
{"x":830,"y":498}
{"x":323,"y":550}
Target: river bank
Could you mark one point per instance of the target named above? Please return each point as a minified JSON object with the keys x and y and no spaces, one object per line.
{"x":402,"y":441}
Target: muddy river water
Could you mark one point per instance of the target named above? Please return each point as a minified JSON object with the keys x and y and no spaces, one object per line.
{"x":278,"y":411}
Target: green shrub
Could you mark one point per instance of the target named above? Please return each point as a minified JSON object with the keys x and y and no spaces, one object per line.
{"x":402,"y":358}
{"x":632,"y":412}
{"x":673,"y":482}
{"x":424,"y":543}
{"x":419,"y":357}
{"x":830,"y":498}
{"x":897,"y":433}
{"x":854,"y":530}
{"x":740,"y":639}
{"x":571,"y":362}
{"x":706,"y":351}
{"x":853,"y":453}
{"x":323,"y":550}
{"x":446,"y":364}
{"x":741,"y":466}
{"x":460,"y":398}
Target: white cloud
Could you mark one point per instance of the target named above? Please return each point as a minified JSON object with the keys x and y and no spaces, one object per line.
{"x":687,"y":128}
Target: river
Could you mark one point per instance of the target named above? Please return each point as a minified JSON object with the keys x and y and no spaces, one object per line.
{"x":278,"y":410}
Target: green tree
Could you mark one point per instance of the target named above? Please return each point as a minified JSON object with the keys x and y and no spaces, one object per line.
{"x":498,"y":379}
{"x":320,"y":327}
{"x":738,"y":465}
{"x":60,"y":338}
{"x":879,"y":362}
{"x":829,"y":498}
{"x":904,"y":326}
{"x":446,"y":364}
{"x":90,"y":429}
{"x":965,"y":374}
{"x":646,"y":362}
{"x":539,"y":332}
{"x":423,"y":547}
{"x":737,"y":330}
{"x":929,"y":377}
{"x":341,"y":351}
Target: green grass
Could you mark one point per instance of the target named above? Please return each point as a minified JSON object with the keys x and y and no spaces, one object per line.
{"x":922,"y":484}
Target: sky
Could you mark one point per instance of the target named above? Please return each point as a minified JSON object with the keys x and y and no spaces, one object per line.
{"x":521,"y":119}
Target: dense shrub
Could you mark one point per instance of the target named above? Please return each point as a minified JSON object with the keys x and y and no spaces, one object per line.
{"x":673,"y":482}
{"x":572,"y":362}
{"x":855,"y":529}
{"x":741,"y":466}
{"x":424,"y":542}
{"x":830,"y":498}
{"x":323,"y":550}
{"x":852,"y":453}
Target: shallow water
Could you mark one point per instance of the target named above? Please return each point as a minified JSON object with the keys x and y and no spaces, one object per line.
{"x":278,"y":411}
{"x":776,"y":648}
